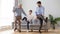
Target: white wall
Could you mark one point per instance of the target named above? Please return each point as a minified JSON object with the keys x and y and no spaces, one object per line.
{"x":0,"y":5}
{"x":29,"y":4}
{"x":51,"y":6}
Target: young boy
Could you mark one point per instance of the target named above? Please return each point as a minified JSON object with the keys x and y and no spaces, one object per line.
{"x":29,"y":19}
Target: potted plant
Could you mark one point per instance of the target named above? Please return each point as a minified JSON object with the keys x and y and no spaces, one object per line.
{"x":53,"y":20}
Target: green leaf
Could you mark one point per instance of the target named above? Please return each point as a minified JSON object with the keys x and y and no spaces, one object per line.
{"x":57,"y":19}
{"x":51,"y":17}
{"x":53,"y":22}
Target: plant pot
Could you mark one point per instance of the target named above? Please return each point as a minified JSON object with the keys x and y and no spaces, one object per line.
{"x":53,"y":26}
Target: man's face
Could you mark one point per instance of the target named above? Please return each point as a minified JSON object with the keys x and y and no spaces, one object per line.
{"x":39,"y":5}
{"x":20,"y":6}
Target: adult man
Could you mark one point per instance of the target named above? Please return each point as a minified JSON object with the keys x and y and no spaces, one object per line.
{"x":18,"y":11}
{"x":40,"y":13}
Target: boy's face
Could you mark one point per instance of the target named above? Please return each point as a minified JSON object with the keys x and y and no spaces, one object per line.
{"x":30,"y":12}
{"x":39,"y":5}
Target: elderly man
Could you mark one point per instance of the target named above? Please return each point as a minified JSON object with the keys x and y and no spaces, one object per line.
{"x":18,"y":11}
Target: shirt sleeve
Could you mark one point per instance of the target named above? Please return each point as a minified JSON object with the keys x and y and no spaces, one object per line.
{"x":24,"y":12}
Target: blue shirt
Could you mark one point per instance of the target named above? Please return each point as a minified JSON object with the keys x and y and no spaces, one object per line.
{"x":39,"y":10}
{"x":19,"y":11}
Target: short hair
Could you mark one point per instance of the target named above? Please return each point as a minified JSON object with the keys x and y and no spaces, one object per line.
{"x":30,"y":10}
{"x":19,"y":4}
{"x":39,"y":2}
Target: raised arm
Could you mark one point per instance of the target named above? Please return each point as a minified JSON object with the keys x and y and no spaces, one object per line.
{"x":24,"y":12}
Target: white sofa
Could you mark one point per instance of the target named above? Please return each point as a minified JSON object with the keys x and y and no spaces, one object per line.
{"x":35,"y":25}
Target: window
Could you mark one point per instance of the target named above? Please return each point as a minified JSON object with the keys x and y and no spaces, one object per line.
{"x":6,"y":14}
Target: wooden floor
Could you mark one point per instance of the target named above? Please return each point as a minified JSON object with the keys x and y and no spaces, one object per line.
{"x":7,"y":30}
{"x":35,"y":32}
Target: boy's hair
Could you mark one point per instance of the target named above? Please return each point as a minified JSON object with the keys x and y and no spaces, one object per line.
{"x":30,"y":10}
{"x":39,"y":2}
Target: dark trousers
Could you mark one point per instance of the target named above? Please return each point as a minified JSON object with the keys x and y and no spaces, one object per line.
{"x":28,"y":25}
{"x":41,"y":23}
{"x":41,"y":18}
{"x":28,"y":22}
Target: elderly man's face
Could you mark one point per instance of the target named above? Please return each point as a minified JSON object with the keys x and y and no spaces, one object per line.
{"x":20,"y":6}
